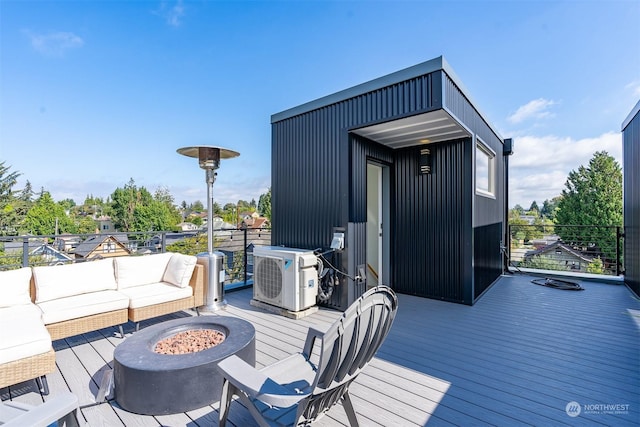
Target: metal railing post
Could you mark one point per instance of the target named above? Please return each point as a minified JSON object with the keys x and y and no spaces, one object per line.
{"x":618,"y":237}
{"x":244,"y":255}
{"x":25,"y":252}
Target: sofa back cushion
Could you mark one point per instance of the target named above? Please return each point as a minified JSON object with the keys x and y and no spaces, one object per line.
{"x":140,"y":270}
{"x":60,"y":281}
{"x":179,"y":270}
{"x":14,"y":287}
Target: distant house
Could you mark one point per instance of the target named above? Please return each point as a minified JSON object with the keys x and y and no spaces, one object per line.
{"x":255,"y":222}
{"x":529,"y":218}
{"x":102,"y":246}
{"x":67,"y":242}
{"x":559,"y":255}
{"x":105,"y":225}
{"x":51,"y":255}
{"x":188,"y":226}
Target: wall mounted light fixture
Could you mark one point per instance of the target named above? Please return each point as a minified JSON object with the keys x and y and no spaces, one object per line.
{"x":425,"y":161}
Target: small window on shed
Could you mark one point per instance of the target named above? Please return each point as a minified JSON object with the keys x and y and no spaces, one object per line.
{"x":485,"y":170}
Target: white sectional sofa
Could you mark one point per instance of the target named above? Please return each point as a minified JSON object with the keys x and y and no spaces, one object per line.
{"x":25,"y":344}
{"x":41,"y":304}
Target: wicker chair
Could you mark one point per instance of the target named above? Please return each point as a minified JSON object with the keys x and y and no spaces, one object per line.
{"x":297,"y":390}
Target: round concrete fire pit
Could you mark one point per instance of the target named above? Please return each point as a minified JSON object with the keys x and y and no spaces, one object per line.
{"x":151,"y":383}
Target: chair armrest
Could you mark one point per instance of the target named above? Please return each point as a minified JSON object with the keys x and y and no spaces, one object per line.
{"x":312,"y":334}
{"x":257,"y":385}
{"x":47,"y":413}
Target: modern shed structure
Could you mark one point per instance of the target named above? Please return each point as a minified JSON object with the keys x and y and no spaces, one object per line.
{"x":410,"y":170}
{"x":631,"y":166}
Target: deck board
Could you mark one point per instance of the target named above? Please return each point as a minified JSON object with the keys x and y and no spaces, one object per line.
{"x":517,"y":357}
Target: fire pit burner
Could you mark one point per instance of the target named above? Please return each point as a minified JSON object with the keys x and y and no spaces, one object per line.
{"x":151,"y":383}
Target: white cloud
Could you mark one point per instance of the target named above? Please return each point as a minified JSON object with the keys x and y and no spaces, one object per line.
{"x":634,"y":88}
{"x":172,"y":14}
{"x":536,"y":109}
{"x":54,"y":44}
{"x":539,"y":166}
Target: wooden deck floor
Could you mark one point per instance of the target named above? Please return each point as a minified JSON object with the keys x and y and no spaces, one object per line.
{"x":517,"y":357}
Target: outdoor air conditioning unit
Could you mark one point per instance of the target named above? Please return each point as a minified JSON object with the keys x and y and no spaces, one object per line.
{"x":285,"y":277}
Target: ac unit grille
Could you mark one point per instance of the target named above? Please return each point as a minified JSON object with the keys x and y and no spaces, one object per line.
{"x":269,"y":277}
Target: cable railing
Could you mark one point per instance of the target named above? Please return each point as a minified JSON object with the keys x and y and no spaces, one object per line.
{"x":590,"y":249}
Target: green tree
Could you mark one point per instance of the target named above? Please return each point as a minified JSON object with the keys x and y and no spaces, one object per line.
{"x":190,"y":245}
{"x":549,"y":208}
{"x":85,"y":224}
{"x":264,"y":204}
{"x":596,"y":266}
{"x":67,"y":204}
{"x":26,"y":194}
{"x":47,"y":217}
{"x":8,"y":213}
{"x":593,"y":196}
{"x":124,"y":203}
{"x":534,"y":208}
{"x":197,"y":206}
{"x":543,"y":262}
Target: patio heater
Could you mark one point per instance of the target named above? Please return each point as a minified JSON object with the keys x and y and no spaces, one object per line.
{"x":209,"y":159}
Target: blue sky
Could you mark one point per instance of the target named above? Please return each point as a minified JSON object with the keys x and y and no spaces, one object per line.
{"x":94,"y":93}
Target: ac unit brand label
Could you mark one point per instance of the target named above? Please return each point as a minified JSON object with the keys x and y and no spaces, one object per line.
{"x":287,"y":263}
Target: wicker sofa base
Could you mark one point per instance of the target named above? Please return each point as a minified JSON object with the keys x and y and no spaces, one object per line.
{"x":69,"y":328}
{"x":27,"y":369}
{"x":151,"y":311}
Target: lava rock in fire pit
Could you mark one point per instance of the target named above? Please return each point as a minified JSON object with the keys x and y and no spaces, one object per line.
{"x":190,"y":341}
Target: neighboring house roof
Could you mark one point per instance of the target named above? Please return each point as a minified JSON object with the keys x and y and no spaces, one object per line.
{"x":555,"y":246}
{"x":51,"y":254}
{"x":253,"y":222}
{"x":93,"y":243}
{"x":16,"y":244}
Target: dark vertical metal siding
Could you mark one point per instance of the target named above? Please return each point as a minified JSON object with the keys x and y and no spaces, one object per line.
{"x":432,"y":227}
{"x":486,"y":266}
{"x":486,"y":210}
{"x":319,"y":182}
{"x":631,"y":159}
{"x":306,"y":179}
{"x":310,"y":158}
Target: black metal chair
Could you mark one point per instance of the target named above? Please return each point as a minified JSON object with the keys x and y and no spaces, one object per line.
{"x":298,"y":390}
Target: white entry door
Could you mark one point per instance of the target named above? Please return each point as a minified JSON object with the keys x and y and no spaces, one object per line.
{"x":375,"y":225}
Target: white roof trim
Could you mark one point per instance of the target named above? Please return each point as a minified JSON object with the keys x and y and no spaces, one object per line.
{"x":631,"y":115}
{"x":418,"y":70}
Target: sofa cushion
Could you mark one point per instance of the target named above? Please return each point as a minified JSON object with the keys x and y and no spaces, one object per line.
{"x":140,"y":270}
{"x":155,"y":293}
{"x":14,"y":288}
{"x":61,"y":281}
{"x":23,"y":333}
{"x":82,"y":305}
{"x":179,"y":270}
